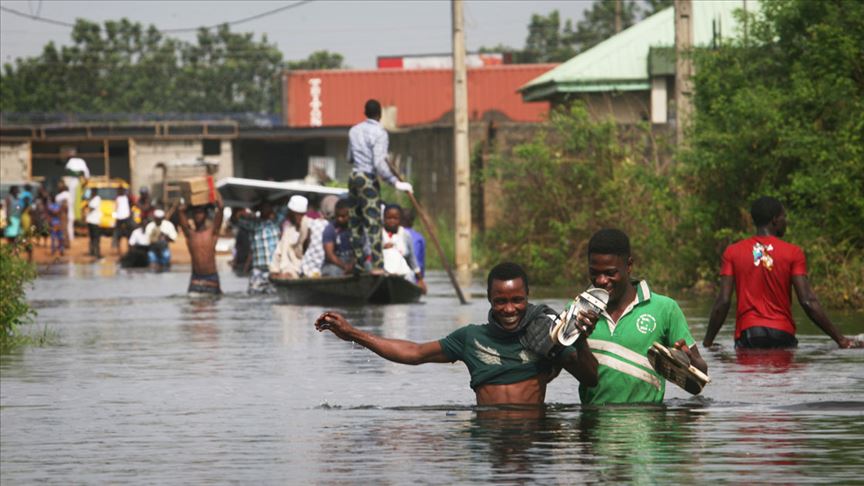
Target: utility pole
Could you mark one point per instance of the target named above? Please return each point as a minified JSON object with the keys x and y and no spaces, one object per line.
{"x":461,"y":163}
{"x":617,"y":16}
{"x":683,"y":67}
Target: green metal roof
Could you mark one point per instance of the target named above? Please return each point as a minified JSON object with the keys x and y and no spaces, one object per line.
{"x":621,"y":61}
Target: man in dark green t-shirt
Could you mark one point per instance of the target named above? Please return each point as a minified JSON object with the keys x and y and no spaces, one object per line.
{"x":503,"y":370}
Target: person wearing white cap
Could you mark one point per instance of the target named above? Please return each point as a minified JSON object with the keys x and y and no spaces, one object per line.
{"x":161,"y":233}
{"x":288,"y":258}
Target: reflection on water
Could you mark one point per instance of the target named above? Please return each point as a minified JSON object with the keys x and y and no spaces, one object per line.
{"x":148,"y":385}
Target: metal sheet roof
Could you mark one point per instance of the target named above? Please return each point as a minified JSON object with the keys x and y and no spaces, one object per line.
{"x":421,"y":96}
{"x":621,"y":61}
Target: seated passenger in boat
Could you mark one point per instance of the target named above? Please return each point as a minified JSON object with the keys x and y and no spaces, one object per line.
{"x":288,"y":257}
{"x":336,"y":240}
{"x":505,"y":368}
{"x":313,"y":258}
{"x":398,"y":248}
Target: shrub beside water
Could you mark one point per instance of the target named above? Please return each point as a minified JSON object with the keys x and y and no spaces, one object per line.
{"x":15,"y":275}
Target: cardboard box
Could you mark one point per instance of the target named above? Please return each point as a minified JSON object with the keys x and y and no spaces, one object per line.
{"x":198,"y":191}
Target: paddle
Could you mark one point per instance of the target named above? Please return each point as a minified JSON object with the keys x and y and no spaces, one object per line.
{"x":432,"y":235}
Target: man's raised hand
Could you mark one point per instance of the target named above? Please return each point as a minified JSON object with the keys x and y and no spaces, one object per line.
{"x":335,"y":323}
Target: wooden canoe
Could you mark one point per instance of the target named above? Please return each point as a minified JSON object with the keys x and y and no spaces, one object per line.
{"x":358,"y":289}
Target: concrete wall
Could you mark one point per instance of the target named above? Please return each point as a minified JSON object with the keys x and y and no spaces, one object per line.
{"x":15,"y":161}
{"x":145,"y":155}
{"x":426,"y":156}
{"x":624,"y":107}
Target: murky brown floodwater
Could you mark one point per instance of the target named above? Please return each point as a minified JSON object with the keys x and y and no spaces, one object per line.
{"x":149,"y":386}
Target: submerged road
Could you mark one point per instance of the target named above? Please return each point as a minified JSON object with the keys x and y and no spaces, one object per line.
{"x":145,"y":385}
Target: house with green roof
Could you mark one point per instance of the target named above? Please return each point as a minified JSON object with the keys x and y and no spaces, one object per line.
{"x":630,"y":76}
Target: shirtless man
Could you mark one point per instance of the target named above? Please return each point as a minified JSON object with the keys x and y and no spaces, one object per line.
{"x":503,"y":371}
{"x":201,"y":242}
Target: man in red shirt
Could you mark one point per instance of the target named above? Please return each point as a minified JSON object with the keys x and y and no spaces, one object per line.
{"x":763,"y":268}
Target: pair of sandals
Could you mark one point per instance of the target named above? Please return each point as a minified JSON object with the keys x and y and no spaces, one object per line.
{"x":673,"y":364}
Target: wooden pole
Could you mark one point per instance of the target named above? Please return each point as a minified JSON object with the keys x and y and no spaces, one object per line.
{"x":461,"y":162}
{"x":683,"y":67}
{"x":432,"y":236}
{"x":106,"y":159}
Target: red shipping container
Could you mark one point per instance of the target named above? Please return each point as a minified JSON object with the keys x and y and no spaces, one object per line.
{"x":334,"y":98}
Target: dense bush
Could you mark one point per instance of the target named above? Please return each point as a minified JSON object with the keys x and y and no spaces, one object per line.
{"x":575,"y":178}
{"x":780,"y":113}
{"x":15,"y":274}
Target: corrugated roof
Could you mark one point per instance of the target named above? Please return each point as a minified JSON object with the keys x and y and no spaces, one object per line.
{"x":421,"y":96}
{"x":621,"y":61}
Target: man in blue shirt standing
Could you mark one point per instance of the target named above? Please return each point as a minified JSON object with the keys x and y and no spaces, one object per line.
{"x":367,"y":151}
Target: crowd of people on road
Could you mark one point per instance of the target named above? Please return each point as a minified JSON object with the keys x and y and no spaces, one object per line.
{"x":31,"y":215}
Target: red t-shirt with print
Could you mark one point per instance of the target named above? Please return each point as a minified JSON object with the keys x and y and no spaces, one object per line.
{"x":763,"y":267}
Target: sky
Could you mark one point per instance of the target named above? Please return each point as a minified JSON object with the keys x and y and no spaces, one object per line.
{"x":360,"y":30}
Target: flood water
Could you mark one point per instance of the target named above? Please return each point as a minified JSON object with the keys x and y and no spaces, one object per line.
{"x":147,"y":385}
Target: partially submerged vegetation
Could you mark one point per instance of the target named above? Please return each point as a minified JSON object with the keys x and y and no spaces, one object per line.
{"x":15,"y":275}
{"x":778,"y":113}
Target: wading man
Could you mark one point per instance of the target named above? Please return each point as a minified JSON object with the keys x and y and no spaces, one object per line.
{"x":635,"y":318}
{"x":367,"y":151}
{"x":763,"y":268}
{"x":201,"y":241}
{"x":503,"y":370}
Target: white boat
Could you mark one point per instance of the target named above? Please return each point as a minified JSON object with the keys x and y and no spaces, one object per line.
{"x":239,"y":192}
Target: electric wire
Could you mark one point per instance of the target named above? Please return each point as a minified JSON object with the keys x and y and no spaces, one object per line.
{"x":165,"y":31}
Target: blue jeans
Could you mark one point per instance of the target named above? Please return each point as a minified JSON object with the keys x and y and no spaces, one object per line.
{"x":160,"y":257}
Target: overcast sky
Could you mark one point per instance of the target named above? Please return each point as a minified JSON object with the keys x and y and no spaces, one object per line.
{"x":360,"y":30}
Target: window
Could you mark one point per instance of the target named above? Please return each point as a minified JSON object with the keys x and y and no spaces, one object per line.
{"x":211,"y":147}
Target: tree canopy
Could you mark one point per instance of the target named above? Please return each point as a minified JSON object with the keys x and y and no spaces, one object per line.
{"x":122,"y":67}
{"x":553,"y":39}
{"x":319,"y":60}
{"x":779,"y":112}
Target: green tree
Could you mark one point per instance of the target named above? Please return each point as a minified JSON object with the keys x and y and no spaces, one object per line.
{"x":15,"y":274}
{"x":547,"y":41}
{"x":577,"y":176}
{"x":122,"y":67}
{"x":550,"y":41}
{"x":782,"y":114}
{"x":654,"y":6}
{"x":319,"y":60}
{"x":598,"y":23}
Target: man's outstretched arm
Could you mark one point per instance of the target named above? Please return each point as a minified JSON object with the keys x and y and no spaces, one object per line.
{"x":810,"y":303}
{"x":720,"y":309}
{"x":396,"y":350}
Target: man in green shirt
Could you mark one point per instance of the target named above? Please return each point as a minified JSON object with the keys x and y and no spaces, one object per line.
{"x":635,"y":318}
{"x":503,"y":370}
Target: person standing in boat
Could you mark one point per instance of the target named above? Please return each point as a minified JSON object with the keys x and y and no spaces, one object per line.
{"x":398,"y":248}
{"x":368,"y":144}
{"x":763,"y":268}
{"x":503,"y":370}
{"x":201,"y":242}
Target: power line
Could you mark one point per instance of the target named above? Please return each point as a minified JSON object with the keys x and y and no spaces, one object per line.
{"x":37,"y":18}
{"x":165,"y":31}
{"x":235,"y":22}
